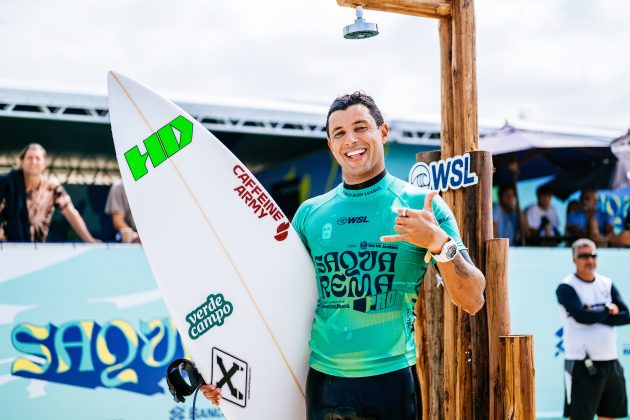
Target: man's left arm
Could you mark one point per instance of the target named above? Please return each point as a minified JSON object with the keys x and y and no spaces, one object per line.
{"x":464,"y":282}
{"x":63,"y":202}
{"x":78,"y":224}
{"x":619,"y":314}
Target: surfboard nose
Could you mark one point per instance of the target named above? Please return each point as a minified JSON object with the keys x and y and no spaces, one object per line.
{"x":111,"y":74}
{"x":112,"y":81}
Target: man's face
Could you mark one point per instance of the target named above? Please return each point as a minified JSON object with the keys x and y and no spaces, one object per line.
{"x":508,"y":198}
{"x":34,"y":162}
{"x":585,"y":262}
{"x":357,"y":143}
{"x":544,"y":200}
{"x":588,"y":200}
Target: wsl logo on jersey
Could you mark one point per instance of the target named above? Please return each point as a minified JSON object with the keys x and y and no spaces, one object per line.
{"x":352,"y":220}
{"x":450,"y":174}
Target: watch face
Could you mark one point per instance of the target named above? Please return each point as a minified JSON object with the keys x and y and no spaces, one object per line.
{"x":451,"y":251}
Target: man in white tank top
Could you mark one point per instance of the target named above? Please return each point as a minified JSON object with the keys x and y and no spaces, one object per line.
{"x":590,"y":308}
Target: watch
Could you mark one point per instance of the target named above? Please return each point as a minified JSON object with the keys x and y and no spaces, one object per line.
{"x":448,"y":252}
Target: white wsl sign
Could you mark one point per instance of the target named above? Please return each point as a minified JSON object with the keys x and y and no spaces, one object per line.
{"x":452,"y":173}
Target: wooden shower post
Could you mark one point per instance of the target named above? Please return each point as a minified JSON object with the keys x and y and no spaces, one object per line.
{"x":461,"y":377}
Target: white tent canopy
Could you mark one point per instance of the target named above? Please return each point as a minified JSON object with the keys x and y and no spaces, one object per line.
{"x":509,"y":139}
{"x":621,"y":149}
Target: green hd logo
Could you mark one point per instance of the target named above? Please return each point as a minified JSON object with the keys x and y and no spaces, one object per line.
{"x":209,"y":314}
{"x":160,"y":146}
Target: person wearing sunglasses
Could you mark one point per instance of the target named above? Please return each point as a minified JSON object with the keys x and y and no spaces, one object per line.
{"x":590,"y":307}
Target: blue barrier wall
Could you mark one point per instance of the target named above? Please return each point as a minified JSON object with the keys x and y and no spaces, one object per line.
{"x":84,"y":332}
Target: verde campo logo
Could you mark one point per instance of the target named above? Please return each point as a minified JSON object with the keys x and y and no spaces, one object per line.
{"x":209,"y":314}
{"x":160,"y":146}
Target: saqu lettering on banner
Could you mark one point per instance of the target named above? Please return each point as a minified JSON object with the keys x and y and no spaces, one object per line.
{"x":452,"y":173}
{"x":89,"y":355}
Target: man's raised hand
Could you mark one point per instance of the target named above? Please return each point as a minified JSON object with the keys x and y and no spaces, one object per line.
{"x":419,"y":227}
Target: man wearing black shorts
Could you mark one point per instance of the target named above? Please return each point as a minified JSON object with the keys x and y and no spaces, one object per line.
{"x":591,"y":307}
{"x":371,"y":239}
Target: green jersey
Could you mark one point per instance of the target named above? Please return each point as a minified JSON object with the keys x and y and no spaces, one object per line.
{"x":367,"y":289}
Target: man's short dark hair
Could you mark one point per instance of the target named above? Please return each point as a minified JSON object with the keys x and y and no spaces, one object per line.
{"x":544,"y":190}
{"x":357,"y":98}
{"x":506,"y":187}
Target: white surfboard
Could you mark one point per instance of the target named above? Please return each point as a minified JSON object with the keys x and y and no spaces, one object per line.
{"x":235,"y":276}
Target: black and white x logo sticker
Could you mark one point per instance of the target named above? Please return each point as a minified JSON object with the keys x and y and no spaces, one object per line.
{"x":229,"y":371}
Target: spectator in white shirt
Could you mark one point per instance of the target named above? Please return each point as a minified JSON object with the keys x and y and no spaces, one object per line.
{"x":542,"y":219}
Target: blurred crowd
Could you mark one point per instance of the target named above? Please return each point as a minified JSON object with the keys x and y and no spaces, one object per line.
{"x":539,"y":225}
{"x":29,"y":198}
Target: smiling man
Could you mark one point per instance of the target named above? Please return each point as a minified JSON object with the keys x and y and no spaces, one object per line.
{"x":371,"y":239}
{"x":591,"y":307}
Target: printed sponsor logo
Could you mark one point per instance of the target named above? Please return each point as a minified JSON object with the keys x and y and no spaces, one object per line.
{"x":177,"y":413}
{"x":410,"y":319}
{"x":377,"y":245}
{"x":560,"y":342}
{"x":452,"y":173}
{"x":352,"y":220}
{"x":360,"y":281}
{"x":326,"y":231}
{"x":160,"y":146}
{"x":261,"y":204}
{"x":233,"y":373}
{"x":362,"y":193}
{"x":282,"y":231}
{"x":420,"y":175}
{"x":183,"y":413}
{"x":90,"y":355}
{"x":208,"y":315}
{"x":444,"y":219}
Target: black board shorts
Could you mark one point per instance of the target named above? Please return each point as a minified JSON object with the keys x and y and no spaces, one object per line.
{"x":603,"y":393}
{"x":394,"y":395}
